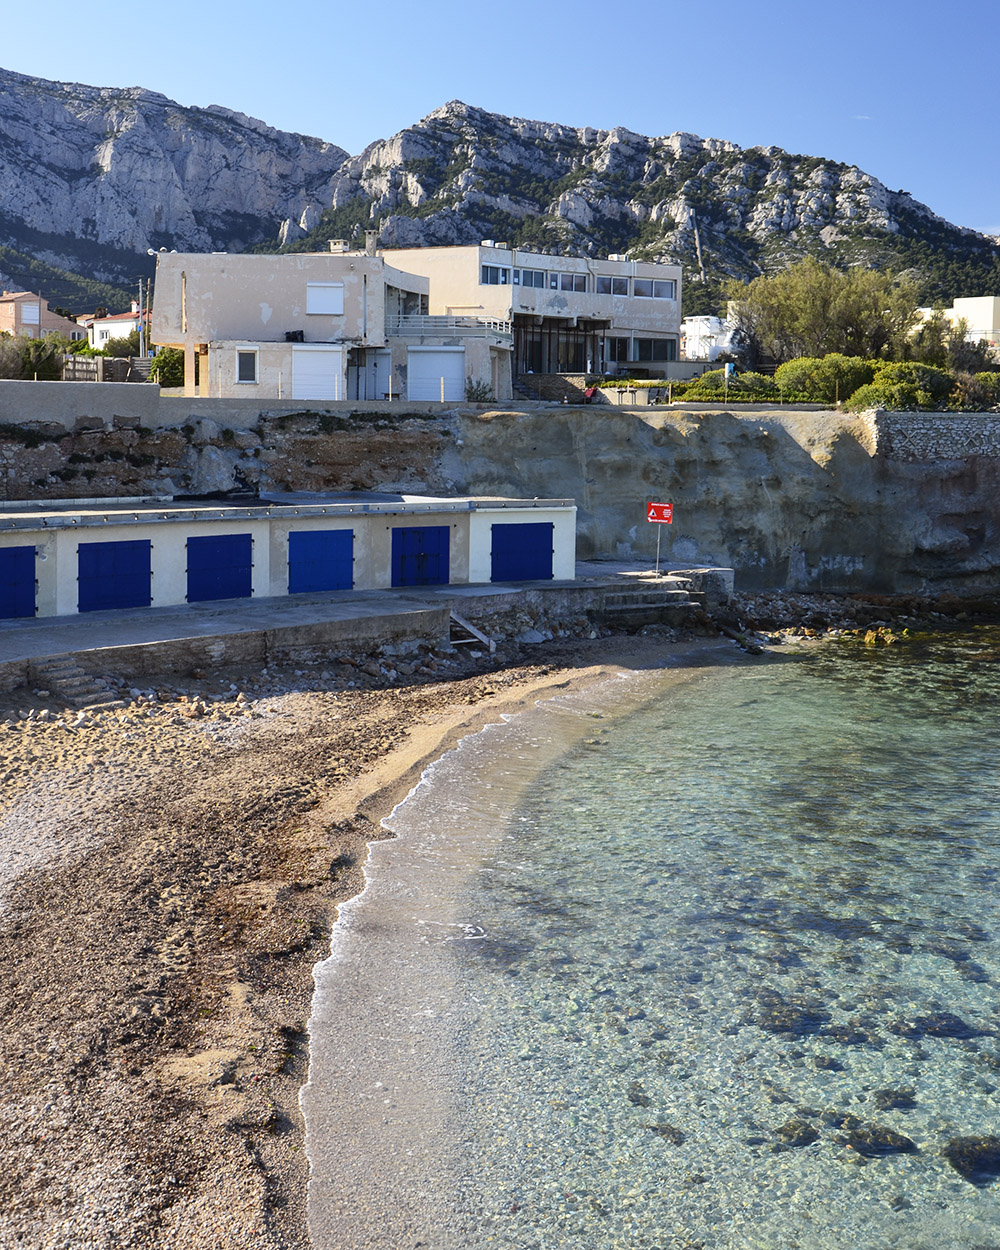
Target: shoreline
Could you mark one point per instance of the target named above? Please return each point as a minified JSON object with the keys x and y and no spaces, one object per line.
{"x":158,"y":970}
{"x":158,"y":975}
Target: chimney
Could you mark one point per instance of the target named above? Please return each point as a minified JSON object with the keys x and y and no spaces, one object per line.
{"x":371,"y":242}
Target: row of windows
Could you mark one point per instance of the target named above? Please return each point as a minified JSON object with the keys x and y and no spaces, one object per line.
{"x":617,"y":349}
{"x":643,"y":288}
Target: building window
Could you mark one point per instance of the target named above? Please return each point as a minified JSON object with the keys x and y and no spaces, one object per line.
{"x":530,"y":277}
{"x":246,"y":366}
{"x":656,"y":349}
{"x":494,"y":275}
{"x":325,"y":298}
{"x":617,"y":348}
{"x":611,"y":286}
{"x":651,"y":289}
{"x":573,"y":281}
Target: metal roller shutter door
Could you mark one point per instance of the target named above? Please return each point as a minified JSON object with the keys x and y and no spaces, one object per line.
{"x":522,"y":552}
{"x":420,"y":555}
{"x":17,"y":581}
{"x":427,"y":366}
{"x":320,"y":560}
{"x":219,"y":567}
{"x":114,"y":575}
{"x":317,"y":373}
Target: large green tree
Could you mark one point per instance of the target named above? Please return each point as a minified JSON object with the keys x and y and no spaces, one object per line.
{"x":813,"y":310}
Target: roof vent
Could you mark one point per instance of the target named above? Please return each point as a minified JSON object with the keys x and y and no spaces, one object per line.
{"x":487,"y":243}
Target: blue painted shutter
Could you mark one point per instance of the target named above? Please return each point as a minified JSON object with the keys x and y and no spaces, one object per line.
{"x":522,"y":552}
{"x":17,"y":581}
{"x":420,"y":555}
{"x":219,"y":566}
{"x":320,"y":560}
{"x":114,"y":575}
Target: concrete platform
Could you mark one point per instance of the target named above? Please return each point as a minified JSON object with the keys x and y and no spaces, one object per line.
{"x":239,"y":631}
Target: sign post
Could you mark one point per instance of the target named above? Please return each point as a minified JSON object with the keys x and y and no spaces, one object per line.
{"x":659,"y":514}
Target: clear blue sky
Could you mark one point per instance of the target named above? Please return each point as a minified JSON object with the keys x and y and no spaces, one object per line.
{"x":905,"y":89}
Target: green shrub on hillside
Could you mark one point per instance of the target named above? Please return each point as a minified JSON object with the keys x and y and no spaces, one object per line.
{"x":903,"y":386}
{"x":828,"y":379}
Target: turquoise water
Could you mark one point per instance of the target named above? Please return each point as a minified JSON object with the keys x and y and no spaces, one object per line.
{"x":721,"y":973}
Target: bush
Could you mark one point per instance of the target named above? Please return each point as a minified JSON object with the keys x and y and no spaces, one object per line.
{"x":167,"y":367}
{"x":901,"y":387}
{"x":990,"y":382}
{"x":742,"y":387}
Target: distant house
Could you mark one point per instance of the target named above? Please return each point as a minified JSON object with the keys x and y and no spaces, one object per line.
{"x":433,"y":323}
{"x":23,"y":312}
{"x":981,"y":314}
{"x":101,"y":330}
{"x":706,"y":338}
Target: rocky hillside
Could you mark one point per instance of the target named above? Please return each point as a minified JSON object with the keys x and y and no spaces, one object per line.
{"x":463,"y":174}
{"x":92,"y":177}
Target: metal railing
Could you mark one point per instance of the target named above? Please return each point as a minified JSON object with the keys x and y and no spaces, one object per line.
{"x":467,"y":327}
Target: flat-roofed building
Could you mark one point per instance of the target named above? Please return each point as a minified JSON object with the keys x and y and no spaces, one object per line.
{"x":568,"y":314}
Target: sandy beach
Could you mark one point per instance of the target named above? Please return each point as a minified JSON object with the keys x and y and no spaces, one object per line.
{"x":170,"y":871}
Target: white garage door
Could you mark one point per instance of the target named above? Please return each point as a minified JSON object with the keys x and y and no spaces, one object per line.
{"x":317,"y":372}
{"x":427,"y":366}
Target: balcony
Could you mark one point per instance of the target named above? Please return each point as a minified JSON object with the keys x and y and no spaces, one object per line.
{"x":422,"y":325}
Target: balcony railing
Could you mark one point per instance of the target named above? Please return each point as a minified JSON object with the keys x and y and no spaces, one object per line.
{"x":448,"y":327}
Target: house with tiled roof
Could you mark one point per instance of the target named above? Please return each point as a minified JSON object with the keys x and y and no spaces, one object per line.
{"x":24,"y":313}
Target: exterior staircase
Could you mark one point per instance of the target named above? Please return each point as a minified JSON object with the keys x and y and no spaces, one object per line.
{"x":66,"y":680}
{"x":665,"y":600}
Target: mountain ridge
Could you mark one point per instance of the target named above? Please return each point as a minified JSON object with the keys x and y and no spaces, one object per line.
{"x":93,"y":177}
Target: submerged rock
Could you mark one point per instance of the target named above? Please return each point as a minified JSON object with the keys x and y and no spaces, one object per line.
{"x":637,"y":1095}
{"x":875,"y":1141}
{"x":668,"y":1132}
{"x":977,"y":1159}
{"x":798,"y":1133}
{"x":894,"y":1099}
{"x":789,"y":1017}
{"x":937,"y":1024}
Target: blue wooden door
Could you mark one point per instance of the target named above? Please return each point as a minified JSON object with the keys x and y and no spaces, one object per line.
{"x":420,"y":555}
{"x":522,"y":552}
{"x":114,"y":575}
{"x":219,"y":566}
{"x":320,"y":560}
{"x":17,"y":581}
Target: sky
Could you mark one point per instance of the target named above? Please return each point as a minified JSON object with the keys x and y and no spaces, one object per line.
{"x":904,"y":89}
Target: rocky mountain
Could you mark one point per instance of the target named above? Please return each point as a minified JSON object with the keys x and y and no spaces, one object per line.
{"x":463,"y":174}
{"x":92,"y":177}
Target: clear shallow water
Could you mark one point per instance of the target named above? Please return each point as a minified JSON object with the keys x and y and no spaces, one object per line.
{"x":659,"y":993}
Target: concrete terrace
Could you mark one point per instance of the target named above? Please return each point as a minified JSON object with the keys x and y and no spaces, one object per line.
{"x":240,"y":631}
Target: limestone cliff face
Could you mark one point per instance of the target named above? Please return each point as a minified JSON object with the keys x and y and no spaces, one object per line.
{"x":462,"y":174}
{"x":89,"y":175}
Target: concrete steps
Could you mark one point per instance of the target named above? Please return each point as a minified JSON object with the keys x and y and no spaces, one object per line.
{"x":67,"y":681}
{"x":657,"y":601}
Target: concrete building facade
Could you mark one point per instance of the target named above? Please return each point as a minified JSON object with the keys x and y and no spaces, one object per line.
{"x":24,"y":313}
{"x":435,"y":323}
{"x":61,"y":559}
{"x":319,"y":325}
{"x":568,"y":314}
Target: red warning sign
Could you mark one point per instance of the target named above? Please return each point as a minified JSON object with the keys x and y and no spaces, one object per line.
{"x":661,"y":512}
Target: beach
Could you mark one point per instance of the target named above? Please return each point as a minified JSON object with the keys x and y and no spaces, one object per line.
{"x":170,"y":871}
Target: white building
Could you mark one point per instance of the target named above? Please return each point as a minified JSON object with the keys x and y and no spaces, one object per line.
{"x":65,"y":558}
{"x":706,"y":338}
{"x":568,"y":314}
{"x":434,"y":323}
{"x":981,"y":314}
